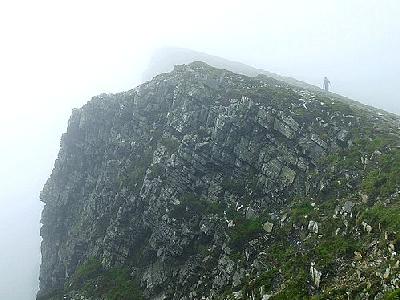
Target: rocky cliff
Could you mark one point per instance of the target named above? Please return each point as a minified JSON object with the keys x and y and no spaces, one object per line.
{"x":205,"y":184}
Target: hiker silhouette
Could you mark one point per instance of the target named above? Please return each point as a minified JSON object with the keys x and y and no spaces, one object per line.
{"x":326,"y":84}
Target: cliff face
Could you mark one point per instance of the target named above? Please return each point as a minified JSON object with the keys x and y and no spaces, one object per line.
{"x":205,"y":184}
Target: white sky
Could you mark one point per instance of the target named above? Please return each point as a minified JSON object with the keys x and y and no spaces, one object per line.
{"x":55,"y":55}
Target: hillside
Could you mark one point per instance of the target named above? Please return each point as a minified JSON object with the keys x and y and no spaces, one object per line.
{"x":206,"y":184}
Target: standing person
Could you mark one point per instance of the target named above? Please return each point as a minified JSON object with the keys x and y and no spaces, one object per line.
{"x":326,"y":84}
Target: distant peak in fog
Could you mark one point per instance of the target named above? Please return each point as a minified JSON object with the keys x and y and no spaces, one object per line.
{"x":163,"y":60}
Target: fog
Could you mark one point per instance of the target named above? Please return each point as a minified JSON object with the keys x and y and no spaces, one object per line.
{"x":55,"y":55}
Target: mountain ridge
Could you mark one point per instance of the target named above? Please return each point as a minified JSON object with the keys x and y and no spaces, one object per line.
{"x":164,"y":59}
{"x":206,"y":184}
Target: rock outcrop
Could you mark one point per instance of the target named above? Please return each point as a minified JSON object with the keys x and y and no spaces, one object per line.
{"x":205,"y":184}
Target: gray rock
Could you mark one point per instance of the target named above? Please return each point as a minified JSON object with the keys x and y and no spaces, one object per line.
{"x":313,"y":226}
{"x":268,"y":226}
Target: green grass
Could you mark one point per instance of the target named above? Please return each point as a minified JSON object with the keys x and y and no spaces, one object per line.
{"x":379,"y":178}
{"x":118,"y":285}
{"x":295,"y":289}
{"x":92,"y":268}
{"x":334,"y":247}
{"x":388,"y":217}
{"x":114,"y":284}
{"x":384,"y":179}
{"x":300,"y":210}
{"x":265,"y":279}
{"x":395,"y":295}
{"x":294,"y":270}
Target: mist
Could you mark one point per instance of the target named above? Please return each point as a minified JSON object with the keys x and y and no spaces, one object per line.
{"x":56,"y":55}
